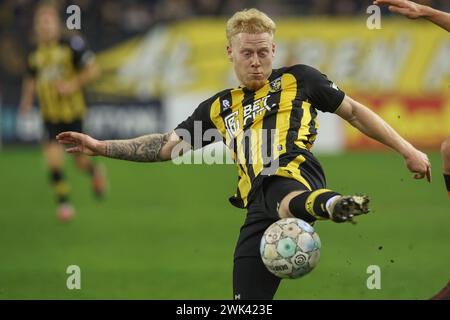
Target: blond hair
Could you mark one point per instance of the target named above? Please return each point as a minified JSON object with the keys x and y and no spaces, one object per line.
{"x":249,"y":21}
{"x":45,"y":5}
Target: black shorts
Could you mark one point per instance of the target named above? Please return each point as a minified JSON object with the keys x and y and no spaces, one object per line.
{"x":262,"y":210}
{"x":251,"y":280}
{"x":51,"y":130}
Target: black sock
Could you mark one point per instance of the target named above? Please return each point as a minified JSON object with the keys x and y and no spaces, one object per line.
{"x":311,"y":205}
{"x":60,"y":187}
{"x":447,"y":183}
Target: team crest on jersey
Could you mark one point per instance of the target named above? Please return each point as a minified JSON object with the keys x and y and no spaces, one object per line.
{"x":275,"y":85}
{"x":232,"y":123}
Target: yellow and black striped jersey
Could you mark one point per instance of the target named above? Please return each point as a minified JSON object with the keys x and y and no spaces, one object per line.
{"x":268,"y":130}
{"x":51,"y":63}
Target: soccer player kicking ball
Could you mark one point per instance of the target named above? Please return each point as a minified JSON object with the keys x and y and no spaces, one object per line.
{"x":273,"y":110}
{"x":58,"y":68}
{"x":442,"y":19}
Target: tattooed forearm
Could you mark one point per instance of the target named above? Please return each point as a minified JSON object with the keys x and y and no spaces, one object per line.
{"x":141,"y":149}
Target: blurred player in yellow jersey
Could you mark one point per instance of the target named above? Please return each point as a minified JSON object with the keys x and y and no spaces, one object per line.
{"x":58,"y":69}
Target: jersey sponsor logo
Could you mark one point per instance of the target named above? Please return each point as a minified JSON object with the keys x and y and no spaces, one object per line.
{"x":51,"y":73}
{"x":251,"y":111}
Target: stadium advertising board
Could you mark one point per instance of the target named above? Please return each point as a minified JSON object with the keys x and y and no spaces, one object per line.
{"x":402,"y":75}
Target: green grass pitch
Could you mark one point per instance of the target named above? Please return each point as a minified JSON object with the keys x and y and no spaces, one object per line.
{"x":168,"y":232}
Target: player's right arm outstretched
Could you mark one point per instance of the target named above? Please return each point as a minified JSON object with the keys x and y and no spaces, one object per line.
{"x":149,"y":148}
{"x":414,"y":10}
{"x":376,"y":128}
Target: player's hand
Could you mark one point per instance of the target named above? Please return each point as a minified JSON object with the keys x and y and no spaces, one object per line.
{"x":406,"y":8}
{"x":66,"y":88}
{"x":418,"y":163}
{"x":81,"y":143}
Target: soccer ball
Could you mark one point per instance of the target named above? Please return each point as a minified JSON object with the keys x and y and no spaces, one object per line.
{"x":290,"y":248}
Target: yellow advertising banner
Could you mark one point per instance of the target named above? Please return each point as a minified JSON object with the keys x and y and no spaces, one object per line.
{"x":402,"y":56}
{"x":401,"y":70}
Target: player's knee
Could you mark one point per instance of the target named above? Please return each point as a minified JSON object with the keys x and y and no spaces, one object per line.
{"x":54,"y":156}
{"x":283,"y":210}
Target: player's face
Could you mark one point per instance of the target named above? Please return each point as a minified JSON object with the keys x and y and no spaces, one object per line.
{"x":46,"y":24}
{"x":252,"y":57}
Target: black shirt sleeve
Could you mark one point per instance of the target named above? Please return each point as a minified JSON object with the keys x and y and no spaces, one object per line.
{"x":192,"y":130}
{"x":30,"y":66}
{"x":322,"y":93}
{"x":81,"y":53}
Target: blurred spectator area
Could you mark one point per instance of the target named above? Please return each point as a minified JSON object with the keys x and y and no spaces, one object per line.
{"x":107,"y":22}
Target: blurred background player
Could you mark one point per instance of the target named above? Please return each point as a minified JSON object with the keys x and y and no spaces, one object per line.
{"x":414,"y":10}
{"x":57,"y":69}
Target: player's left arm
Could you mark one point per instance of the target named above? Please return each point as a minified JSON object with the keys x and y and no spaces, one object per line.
{"x":85,"y":64}
{"x":373,"y":126}
{"x":88,"y":73}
